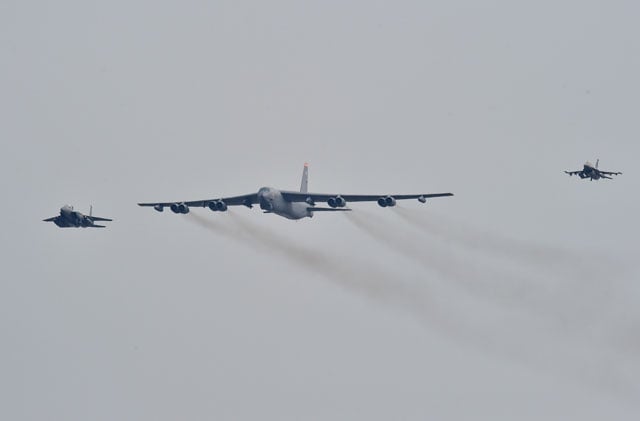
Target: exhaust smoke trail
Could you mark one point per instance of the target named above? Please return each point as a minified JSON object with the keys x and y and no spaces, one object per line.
{"x":497,"y":285}
{"x":581,"y":309}
{"x":347,"y":274}
{"x":498,"y":332}
{"x":554,"y":259}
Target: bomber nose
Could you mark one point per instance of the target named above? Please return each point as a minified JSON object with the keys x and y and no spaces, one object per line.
{"x":265,"y":197}
{"x":265,"y":202}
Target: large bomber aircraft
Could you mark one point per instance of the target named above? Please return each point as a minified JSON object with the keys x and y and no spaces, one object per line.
{"x":70,"y":218}
{"x":592,"y":172}
{"x":291,"y":204}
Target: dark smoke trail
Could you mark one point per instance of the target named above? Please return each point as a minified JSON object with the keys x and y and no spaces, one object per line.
{"x":431,"y":305}
{"x":499,"y":285}
{"x":554,"y":259}
{"x":348,"y":274}
{"x":569,"y":308}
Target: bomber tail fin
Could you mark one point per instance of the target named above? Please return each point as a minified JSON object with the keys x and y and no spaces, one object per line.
{"x":305,"y":179}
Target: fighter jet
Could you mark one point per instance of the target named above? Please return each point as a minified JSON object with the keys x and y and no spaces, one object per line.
{"x":70,"y":218}
{"x":291,"y":204}
{"x":592,"y":172}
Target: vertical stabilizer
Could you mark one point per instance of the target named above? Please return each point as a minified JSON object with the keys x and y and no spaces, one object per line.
{"x":597,"y":162}
{"x":90,"y":210}
{"x":305,"y":179}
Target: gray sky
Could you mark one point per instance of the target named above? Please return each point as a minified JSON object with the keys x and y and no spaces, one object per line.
{"x":516,"y":298}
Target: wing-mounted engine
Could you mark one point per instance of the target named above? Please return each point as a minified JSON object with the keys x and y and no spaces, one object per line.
{"x":387,"y":201}
{"x":337,"y":202}
{"x":217,"y":206}
{"x":159,"y":208}
{"x":179,"y":208}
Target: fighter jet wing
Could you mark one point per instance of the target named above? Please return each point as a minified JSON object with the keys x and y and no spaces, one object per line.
{"x":610,"y":173}
{"x":97,"y":218}
{"x":292,"y":196}
{"x":53,"y":218}
{"x":246,"y":200}
{"x":572,"y":172}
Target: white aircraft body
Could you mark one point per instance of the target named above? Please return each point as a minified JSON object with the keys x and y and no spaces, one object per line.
{"x":291,"y":204}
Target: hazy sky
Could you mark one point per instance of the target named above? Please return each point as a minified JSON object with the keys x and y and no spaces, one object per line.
{"x":515,"y":299}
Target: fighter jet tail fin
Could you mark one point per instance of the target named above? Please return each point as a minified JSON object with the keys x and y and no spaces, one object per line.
{"x":597,"y":162}
{"x":305,"y":179}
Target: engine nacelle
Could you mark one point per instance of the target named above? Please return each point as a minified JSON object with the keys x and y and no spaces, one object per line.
{"x":217,"y":205}
{"x":159,"y":208}
{"x":390,"y":201}
{"x":221,"y":206}
{"x":180,"y":208}
{"x":337,"y":202}
{"x":382,"y":202}
{"x":422,"y":199}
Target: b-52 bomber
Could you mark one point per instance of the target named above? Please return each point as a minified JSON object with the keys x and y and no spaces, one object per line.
{"x":291,"y":204}
{"x":70,"y":218}
{"x":592,"y":172}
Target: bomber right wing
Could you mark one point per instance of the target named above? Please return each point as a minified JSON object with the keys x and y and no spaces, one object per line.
{"x":220,"y":203}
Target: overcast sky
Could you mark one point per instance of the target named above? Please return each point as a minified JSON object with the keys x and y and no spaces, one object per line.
{"x":514,"y":299}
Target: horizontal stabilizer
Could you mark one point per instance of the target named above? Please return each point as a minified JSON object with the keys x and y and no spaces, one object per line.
{"x":97,"y":226}
{"x":313,"y":209}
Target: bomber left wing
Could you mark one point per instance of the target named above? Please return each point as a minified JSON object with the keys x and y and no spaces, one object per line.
{"x":221,"y":203}
{"x":338,"y":199}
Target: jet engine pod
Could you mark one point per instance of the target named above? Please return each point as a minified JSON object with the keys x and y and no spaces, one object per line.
{"x":180,"y":208}
{"x":390,"y":201}
{"x":382,"y":202}
{"x":159,"y":208}
{"x":337,"y":202}
{"x":221,"y":206}
{"x":422,"y":199}
{"x":217,"y":205}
